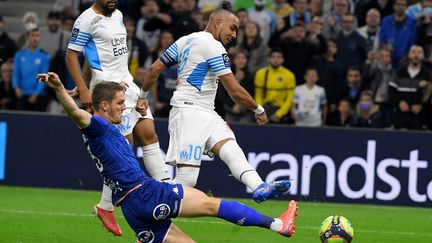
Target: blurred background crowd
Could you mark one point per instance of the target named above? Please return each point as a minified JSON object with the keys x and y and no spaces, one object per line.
{"x":348,"y":63}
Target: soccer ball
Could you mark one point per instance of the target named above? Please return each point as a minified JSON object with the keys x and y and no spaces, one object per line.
{"x":336,"y":229}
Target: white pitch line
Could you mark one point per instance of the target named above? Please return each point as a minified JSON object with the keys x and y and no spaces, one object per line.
{"x":384,"y":232}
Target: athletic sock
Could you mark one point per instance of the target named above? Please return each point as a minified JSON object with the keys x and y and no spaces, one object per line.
{"x":187,"y":176}
{"x":154,"y":162}
{"x":234,"y":158}
{"x":243,"y":215}
{"x":106,"y":198}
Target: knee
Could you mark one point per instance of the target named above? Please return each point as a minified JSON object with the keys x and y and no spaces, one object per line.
{"x":211,"y":206}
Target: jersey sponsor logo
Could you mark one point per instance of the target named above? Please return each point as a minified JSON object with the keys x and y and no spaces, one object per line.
{"x":74,"y":34}
{"x":119,"y":46}
{"x":146,"y":236}
{"x":3,"y":130}
{"x":226,"y":60}
{"x":161,"y":211}
{"x":96,"y":19}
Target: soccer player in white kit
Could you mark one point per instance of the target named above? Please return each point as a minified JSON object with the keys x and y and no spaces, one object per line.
{"x":194,"y":126}
{"x":100,"y":34}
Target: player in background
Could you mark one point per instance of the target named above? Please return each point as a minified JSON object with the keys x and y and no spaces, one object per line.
{"x":100,"y":34}
{"x":194,"y":126}
{"x":148,"y":205}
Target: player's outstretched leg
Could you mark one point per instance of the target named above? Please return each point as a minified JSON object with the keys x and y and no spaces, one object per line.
{"x":196,"y":204}
{"x":271,"y":190}
{"x":105,"y":212}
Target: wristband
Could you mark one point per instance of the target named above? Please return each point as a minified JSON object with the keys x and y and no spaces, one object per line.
{"x":259,"y":110}
{"x":143,"y":94}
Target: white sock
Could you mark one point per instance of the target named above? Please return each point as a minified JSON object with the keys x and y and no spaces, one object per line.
{"x":187,"y":176}
{"x":106,"y":198}
{"x":276,"y":225}
{"x":154,"y":162}
{"x":234,"y":158}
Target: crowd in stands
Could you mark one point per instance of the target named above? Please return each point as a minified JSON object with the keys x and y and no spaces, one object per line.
{"x":347,"y":63}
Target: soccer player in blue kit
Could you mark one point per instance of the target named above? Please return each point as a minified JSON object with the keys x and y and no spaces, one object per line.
{"x":147,"y":204}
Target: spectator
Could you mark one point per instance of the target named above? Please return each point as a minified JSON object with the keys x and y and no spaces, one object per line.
{"x":137,"y":50}
{"x":68,"y":22}
{"x":352,"y":47}
{"x":344,"y":116}
{"x":398,"y":32}
{"x":316,"y":8}
{"x":299,"y":16}
{"x":71,"y":7}
{"x":379,"y":73}
{"x":368,"y":114}
{"x":7,"y":93}
{"x":243,"y":17}
{"x":178,"y":20}
{"x":54,"y":38}
{"x":254,"y":46}
{"x":231,"y":111}
{"x":149,"y":11}
{"x":407,"y":89}
{"x":191,"y":5}
{"x":298,"y":51}
{"x":30,"y":21}
{"x":424,"y":34}
{"x":331,"y":74}
{"x":274,"y":88}
{"x":385,"y":7}
{"x":353,"y":86}
{"x":281,"y":8}
{"x":310,"y":103}
{"x":7,"y":45}
{"x":370,"y":32}
{"x":333,"y":20}
{"x":420,"y":9}
{"x":29,"y":62}
{"x":265,"y":18}
{"x":167,"y":81}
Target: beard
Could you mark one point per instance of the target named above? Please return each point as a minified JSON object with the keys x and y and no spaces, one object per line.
{"x":109,"y":10}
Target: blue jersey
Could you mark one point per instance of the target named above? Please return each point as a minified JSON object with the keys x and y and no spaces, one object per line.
{"x":114,"y":157}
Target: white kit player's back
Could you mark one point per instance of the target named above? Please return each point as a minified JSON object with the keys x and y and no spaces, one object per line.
{"x":201,"y":60}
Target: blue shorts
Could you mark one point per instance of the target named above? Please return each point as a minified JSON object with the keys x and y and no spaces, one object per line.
{"x":148,"y":209}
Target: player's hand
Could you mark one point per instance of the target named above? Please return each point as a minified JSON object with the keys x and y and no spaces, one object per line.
{"x":85,"y":98}
{"x":261,"y":119}
{"x":51,"y":79}
{"x":74,"y":92}
{"x":141,"y":106}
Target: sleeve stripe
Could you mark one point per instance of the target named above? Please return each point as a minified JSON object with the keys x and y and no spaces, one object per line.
{"x":78,"y":44}
{"x":219,"y":69}
{"x":216,"y":61}
{"x":83,"y":38}
{"x":84,"y":33}
{"x":171,"y":53}
{"x":213,"y":58}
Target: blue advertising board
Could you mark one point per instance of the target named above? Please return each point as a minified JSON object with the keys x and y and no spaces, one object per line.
{"x":324,"y":164}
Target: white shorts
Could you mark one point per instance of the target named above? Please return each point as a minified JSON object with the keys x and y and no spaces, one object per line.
{"x":193,"y":131}
{"x":130,"y":116}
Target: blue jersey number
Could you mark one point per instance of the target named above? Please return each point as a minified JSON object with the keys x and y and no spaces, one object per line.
{"x":183,"y":59}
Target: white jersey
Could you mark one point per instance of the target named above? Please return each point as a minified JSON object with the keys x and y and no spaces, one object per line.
{"x":104,"y":43}
{"x":202,"y":59}
{"x":309,"y":105}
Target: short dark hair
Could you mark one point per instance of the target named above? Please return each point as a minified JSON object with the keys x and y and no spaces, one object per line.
{"x":105,"y":91}
{"x":54,"y":15}
{"x":275,"y":49}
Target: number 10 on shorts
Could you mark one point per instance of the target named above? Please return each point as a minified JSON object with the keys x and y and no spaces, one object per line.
{"x":192,"y":153}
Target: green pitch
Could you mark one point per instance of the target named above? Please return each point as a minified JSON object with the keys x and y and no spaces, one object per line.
{"x":47,"y":215}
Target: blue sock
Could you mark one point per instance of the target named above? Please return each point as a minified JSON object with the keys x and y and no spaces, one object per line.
{"x":243,"y":215}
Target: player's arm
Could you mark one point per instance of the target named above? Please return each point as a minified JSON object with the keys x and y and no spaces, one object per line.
{"x":150,"y":79}
{"x":74,"y":68}
{"x":81,"y":117}
{"x":240,"y":96}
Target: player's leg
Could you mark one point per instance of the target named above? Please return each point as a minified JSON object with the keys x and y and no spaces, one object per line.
{"x":176,"y":235}
{"x":222,"y":143}
{"x":146,"y":137}
{"x":196,"y":204}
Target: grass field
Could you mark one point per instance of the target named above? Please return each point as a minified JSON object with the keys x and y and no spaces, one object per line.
{"x":51,"y":215}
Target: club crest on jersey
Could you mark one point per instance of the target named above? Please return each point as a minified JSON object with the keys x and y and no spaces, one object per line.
{"x":146,"y":236}
{"x":74,"y":34}
{"x":161,"y":211}
{"x":226,"y":60}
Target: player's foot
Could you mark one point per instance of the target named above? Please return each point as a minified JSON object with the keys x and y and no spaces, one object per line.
{"x":108,"y":220}
{"x":288,"y":220}
{"x":271,"y":190}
